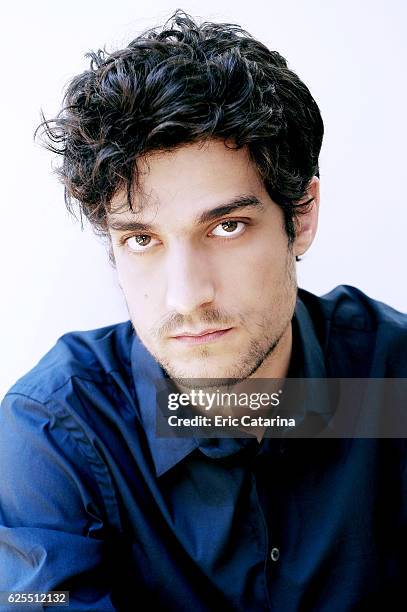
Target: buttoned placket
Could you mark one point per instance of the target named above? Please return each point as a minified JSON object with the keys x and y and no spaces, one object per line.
{"x":272,"y":550}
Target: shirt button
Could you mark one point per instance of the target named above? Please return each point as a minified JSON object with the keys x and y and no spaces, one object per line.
{"x":275,"y":554}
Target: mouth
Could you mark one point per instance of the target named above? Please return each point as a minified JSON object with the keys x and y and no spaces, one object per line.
{"x":202,"y":337}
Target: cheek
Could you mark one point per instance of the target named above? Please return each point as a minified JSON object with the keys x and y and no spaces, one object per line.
{"x":138,"y":290}
{"x":134,"y":277}
{"x":140,"y":300}
{"x":261,"y":267}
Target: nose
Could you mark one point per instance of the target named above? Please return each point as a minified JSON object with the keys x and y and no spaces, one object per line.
{"x":189,"y":280}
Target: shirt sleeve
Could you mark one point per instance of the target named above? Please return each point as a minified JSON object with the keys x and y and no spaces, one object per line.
{"x":52,"y":527}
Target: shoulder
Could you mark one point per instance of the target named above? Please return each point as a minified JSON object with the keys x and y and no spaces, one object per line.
{"x":90,"y":355}
{"x":368,"y":334}
{"x":52,"y":422}
{"x":347,"y":306}
{"x":67,"y":409}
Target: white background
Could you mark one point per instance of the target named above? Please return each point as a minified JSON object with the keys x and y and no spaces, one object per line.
{"x":351,"y":54}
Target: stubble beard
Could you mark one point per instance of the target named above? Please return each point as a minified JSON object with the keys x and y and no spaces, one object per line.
{"x":257,"y":353}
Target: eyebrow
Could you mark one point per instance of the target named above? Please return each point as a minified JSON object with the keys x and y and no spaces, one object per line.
{"x":205,"y":217}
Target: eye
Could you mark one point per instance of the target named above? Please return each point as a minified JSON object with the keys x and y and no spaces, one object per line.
{"x":140,"y":243}
{"x":229,"y":228}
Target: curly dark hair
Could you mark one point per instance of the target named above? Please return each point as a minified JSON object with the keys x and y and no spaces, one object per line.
{"x":182,"y":83}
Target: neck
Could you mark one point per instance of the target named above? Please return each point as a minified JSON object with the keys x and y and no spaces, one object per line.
{"x":275,"y":366}
{"x":277,"y":363}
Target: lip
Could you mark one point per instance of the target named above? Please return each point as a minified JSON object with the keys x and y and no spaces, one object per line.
{"x":202,"y":337}
{"x":201,"y":333}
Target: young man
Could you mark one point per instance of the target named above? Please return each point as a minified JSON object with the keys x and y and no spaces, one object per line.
{"x":195,"y":151}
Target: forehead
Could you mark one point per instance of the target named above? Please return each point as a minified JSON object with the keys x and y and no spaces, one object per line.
{"x":188,"y":180}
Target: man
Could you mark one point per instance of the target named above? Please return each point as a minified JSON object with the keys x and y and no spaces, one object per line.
{"x":195,"y":151}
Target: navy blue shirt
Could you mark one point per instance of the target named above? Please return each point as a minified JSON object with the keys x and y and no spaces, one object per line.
{"x":92,"y":502}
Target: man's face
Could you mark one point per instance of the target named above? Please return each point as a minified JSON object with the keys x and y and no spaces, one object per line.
{"x":206,"y":249}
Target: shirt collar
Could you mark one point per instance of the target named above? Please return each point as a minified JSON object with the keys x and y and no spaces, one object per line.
{"x":166,"y":452}
{"x":307,"y":361}
{"x":311,"y":362}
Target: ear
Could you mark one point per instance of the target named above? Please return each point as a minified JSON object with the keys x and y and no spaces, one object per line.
{"x":306,"y":223}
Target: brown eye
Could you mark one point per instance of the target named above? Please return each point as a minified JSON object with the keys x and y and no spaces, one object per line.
{"x":140,"y":243}
{"x":142,"y":240}
{"x":229,"y":227}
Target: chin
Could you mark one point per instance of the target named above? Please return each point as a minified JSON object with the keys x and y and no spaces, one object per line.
{"x":202,"y":375}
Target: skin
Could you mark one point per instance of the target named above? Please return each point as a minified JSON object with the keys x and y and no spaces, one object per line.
{"x":234,"y":271}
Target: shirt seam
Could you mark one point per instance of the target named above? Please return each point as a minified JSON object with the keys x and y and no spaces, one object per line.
{"x":66,"y":380}
{"x":96,"y":466}
{"x":374,"y":329}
